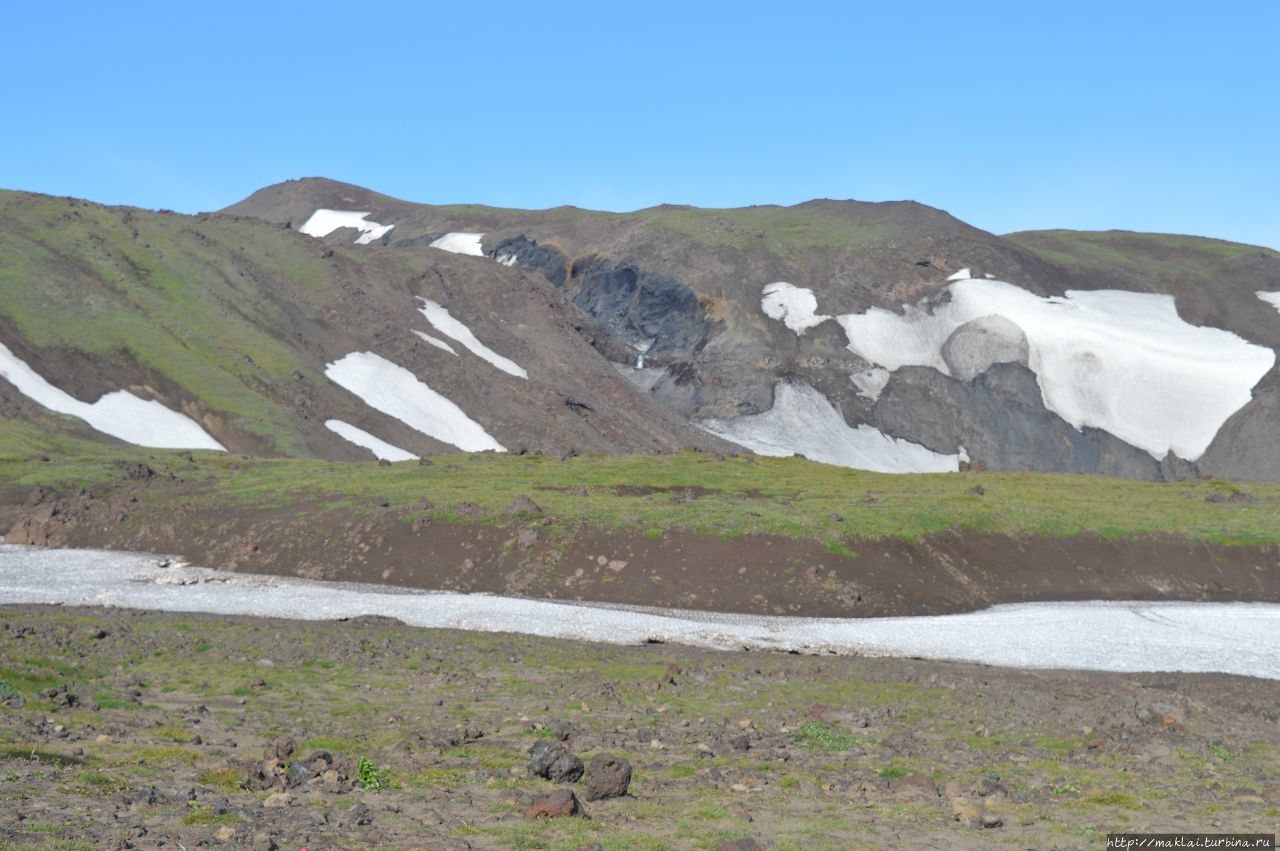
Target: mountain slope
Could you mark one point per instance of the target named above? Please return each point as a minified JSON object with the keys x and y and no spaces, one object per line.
{"x":888,"y":335}
{"x":235,"y":322}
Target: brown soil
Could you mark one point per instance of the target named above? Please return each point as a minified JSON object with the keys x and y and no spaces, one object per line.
{"x":751,"y":574}
{"x":126,"y":729}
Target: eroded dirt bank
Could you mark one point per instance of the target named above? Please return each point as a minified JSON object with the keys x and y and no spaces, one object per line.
{"x":533,"y":554}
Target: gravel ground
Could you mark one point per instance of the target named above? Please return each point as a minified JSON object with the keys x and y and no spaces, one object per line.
{"x":128,"y":729}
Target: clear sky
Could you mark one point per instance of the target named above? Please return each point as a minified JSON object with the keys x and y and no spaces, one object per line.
{"x":1153,"y":116}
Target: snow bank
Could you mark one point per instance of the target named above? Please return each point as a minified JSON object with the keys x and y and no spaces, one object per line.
{"x":803,"y":420}
{"x":325,"y":222}
{"x":119,"y":414}
{"x":796,"y":307}
{"x":380,"y":448}
{"x":462,"y":243}
{"x":1233,"y":638}
{"x":395,"y":391}
{"x":1121,"y":361}
{"x":440,"y":319}
{"x":1272,"y":299}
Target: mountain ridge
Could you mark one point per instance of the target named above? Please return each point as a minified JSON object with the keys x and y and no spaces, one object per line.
{"x":672,"y":288}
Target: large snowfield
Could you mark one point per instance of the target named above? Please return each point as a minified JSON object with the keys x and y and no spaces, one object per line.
{"x":1234,"y":638}
{"x":397,"y":392}
{"x":1120,"y":361}
{"x":120,"y":414}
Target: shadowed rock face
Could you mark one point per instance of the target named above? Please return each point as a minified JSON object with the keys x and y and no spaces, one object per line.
{"x":651,"y":314}
{"x":1000,"y":418}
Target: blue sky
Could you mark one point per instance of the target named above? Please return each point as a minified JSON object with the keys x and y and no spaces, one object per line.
{"x":1154,"y":116}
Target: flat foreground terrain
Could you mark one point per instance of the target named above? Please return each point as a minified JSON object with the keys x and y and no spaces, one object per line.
{"x":126,"y":729}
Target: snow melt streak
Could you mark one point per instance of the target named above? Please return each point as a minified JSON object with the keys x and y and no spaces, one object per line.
{"x":119,"y":414}
{"x":440,"y":319}
{"x":1120,"y":361}
{"x":396,"y":392}
{"x":1235,"y":638}
{"x":803,"y":420}
{"x":380,"y":448}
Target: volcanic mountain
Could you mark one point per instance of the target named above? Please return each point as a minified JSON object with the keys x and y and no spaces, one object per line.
{"x":319,"y":319}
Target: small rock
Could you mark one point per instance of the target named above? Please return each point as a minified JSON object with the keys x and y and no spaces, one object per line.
{"x":557,"y":804}
{"x":278,"y":800}
{"x":747,"y":844}
{"x":991,"y":820}
{"x":607,"y":776}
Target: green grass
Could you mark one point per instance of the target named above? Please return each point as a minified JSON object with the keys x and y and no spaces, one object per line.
{"x":819,"y":735}
{"x":744,"y":495}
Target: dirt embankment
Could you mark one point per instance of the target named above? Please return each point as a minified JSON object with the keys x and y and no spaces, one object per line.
{"x":533,"y":554}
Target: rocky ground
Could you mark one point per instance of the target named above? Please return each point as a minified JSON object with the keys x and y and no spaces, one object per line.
{"x":125,"y":729}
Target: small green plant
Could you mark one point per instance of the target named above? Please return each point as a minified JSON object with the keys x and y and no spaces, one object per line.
{"x":371,"y":777}
{"x":819,"y":735}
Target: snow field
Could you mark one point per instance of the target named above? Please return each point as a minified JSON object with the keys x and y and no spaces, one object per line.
{"x":1234,"y":638}
{"x":1120,"y":361}
{"x":462,"y":243}
{"x":119,"y":413}
{"x":396,"y":392}
{"x":803,"y":420}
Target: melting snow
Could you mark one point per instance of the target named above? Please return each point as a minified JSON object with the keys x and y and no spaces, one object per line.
{"x":1120,"y":361}
{"x":1234,"y":638}
{"x":963,"y":275}
{"x":380,"y":448}
{"x":435,"y":341}
{"x":395,"y":391}
{"x":1272,"y":299}
{"x":119,"y":413}
{"x":440,"y":319}
{"x":803,"y":420}
{"x":871,"y":382}
{"x":507,"y":260}
{"x":462,"y":243}
{"x":796,"y":307}
{"x":325,"y":222}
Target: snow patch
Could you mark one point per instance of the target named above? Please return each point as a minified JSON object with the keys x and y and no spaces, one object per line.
{"x":1272,"y":299}
{"x":803,"y":420}
{"x":963,"y":275}
{"x":796,"y":307}
{"x":380,"y":448}
{"x":1233,"y":638}
{"x":119,"y":413}
{"x":462,"y":243}
{"x":506,"y":260}
{"x":435,"y":341}
{"x":1120,"y":361}
{"x":325,"y":222}
{"x":440,"y":319}
{"x":396,"y":392}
